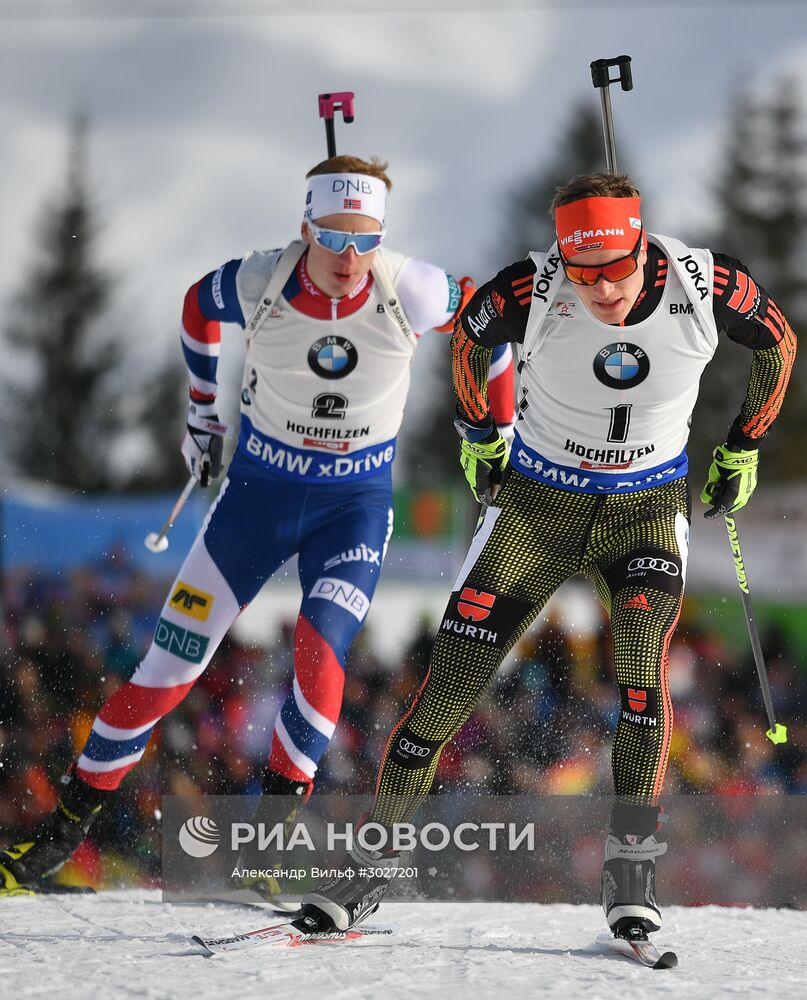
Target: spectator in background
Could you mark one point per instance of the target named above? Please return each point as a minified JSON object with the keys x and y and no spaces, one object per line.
{"x":506,"y":746}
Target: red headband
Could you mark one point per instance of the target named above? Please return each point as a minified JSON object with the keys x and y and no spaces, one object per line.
{"x":598,"y":224}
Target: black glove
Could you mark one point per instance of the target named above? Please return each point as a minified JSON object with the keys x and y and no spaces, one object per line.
{"x":203,"y":444}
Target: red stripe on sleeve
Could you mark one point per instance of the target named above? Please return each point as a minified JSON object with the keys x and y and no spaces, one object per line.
{"x":772,"y":326}
{"x":197,"y":326}
{"x":776,"y":313}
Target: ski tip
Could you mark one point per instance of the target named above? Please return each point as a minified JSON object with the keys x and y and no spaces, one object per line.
{"x":201,"y":942}
{"x":668,"y":960}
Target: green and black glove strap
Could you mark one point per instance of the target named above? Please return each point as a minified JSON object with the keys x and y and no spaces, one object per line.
{"x":731,"y":481}
{"x":483,"y":456}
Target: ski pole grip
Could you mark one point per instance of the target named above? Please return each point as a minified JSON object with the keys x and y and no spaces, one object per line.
{"x":601,"y":75}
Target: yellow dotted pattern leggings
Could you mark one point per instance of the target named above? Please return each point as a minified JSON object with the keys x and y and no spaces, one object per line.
{"x":634,"y":548}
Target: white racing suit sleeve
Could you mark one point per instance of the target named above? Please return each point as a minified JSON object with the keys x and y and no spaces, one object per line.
{"x":429,"y":296}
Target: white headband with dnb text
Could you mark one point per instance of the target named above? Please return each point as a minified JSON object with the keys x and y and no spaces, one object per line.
{"x":339,"y":194}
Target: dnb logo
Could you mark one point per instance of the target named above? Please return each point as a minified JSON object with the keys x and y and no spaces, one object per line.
{"x":332,"y":357}
{"x":199,"y":837}
{"x":621,"y":366}
{"x":187,"y":645}
{"x":475,"y":605}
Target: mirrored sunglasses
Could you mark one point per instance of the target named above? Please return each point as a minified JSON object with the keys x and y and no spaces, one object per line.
{"x":615,"y":270}
{"x":337,"y":242}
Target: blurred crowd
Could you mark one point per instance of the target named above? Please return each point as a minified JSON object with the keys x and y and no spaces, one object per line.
{"x":543,"y":727}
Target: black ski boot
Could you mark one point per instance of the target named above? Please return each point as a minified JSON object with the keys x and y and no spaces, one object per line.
{"x":629,"y":871}
{"x":280,"y":803}
{"x":24,"y":866}
{"x":350,"y":897}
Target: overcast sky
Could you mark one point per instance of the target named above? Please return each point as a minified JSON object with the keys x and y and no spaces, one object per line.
{"x":203,"y":125}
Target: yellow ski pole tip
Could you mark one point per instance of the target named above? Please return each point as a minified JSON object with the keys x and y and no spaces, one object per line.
{"x":778,"y":734}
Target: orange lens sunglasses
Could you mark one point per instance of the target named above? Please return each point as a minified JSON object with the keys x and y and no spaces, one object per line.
{"x":615,"y":270}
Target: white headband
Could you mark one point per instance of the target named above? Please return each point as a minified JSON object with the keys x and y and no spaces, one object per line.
{"x":339,"y":194}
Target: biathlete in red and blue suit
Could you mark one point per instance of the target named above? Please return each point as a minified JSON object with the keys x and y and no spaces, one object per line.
{"x":332,"y":323}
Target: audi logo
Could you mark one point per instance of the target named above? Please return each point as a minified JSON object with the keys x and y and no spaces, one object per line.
{"x":413,"y":748}
{"x":649,"y":562}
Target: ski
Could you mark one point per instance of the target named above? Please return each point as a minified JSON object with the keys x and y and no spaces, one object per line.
{"x":642,"y":951}
{"x":282,"y":935}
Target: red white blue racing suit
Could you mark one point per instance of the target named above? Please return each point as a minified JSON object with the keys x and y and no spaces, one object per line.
{"x":325,"y":383}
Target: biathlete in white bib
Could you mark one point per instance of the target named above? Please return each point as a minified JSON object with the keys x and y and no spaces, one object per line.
{"x":332,"y":322}
{"x":614,"y":327}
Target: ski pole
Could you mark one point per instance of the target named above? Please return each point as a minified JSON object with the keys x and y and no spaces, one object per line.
{"x":777,"y":732}
{"x":157,"y":541}
{"x":601,"y":78}
{"x":329,"y":104}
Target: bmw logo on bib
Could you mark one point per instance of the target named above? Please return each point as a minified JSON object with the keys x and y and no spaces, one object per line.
{"x":621,"y":366}
{"x":332,"y":357}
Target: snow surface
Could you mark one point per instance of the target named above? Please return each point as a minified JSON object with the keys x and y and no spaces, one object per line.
{"x":130,"y":944}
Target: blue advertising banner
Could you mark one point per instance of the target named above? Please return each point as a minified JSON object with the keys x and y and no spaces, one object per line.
{"x":47,"y":529}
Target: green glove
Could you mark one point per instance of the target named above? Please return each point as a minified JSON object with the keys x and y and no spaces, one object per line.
{"x":731,"y":481}
{"x":483,"y":464}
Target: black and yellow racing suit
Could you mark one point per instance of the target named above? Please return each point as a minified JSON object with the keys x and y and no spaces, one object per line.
{"x":536,"y":536}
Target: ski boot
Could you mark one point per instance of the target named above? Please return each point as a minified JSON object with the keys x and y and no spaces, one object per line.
{"x":280,"y":803}
{"x":629,"y":871}
{"x":353,"y":894}
{"x":24,"y":866}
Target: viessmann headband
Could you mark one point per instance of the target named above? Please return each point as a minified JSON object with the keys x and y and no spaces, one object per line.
{"x":598,"y":224}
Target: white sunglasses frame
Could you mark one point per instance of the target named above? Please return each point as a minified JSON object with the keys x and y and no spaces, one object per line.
{"x":314,"y":229}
